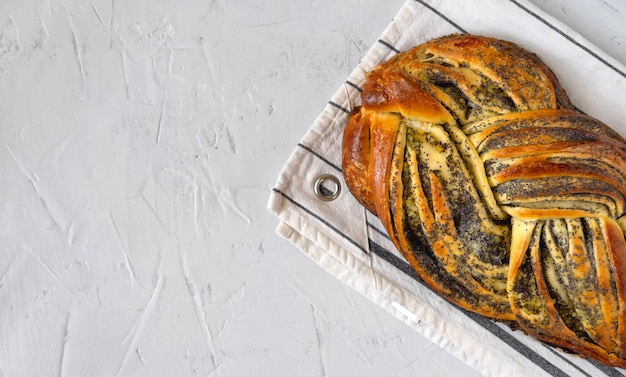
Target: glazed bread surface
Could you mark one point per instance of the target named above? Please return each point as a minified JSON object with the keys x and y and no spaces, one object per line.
{"x":504,"y":199}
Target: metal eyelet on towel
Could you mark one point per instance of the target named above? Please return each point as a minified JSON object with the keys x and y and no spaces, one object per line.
{"x":327,"y":187}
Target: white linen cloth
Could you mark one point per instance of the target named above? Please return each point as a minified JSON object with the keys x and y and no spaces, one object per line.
{"x":351,"y":244}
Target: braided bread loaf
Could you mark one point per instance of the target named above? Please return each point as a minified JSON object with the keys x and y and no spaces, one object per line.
{"x":504,"y":199}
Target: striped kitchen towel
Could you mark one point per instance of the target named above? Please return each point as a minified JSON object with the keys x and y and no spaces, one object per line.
{"x":317,"y":213}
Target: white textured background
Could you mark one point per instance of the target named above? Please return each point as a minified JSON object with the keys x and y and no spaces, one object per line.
{"x":139,"y":141}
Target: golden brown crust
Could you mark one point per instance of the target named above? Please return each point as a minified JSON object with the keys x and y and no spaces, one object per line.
{"x":394,"y":91}
{"x":531,"y":84}
{"x":356,"y":158}
{"x":503,"y":198}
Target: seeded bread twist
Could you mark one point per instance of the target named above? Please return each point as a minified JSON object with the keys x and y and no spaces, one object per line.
{"x":504,"y":199}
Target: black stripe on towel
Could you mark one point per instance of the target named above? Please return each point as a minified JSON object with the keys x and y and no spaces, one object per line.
{"x":442,"y":16}
{"x":570,"y":39}
{"x":379,"y":231}
{"x":314,"y":153}
{"x":339,"y":107}
{"x":560,"y":356}
{"x":320,"y":219}
{"x":355,"y":86}
{"x":388,"y":45}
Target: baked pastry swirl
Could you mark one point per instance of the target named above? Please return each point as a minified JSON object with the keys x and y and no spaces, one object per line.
{"x":505,"y":200}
